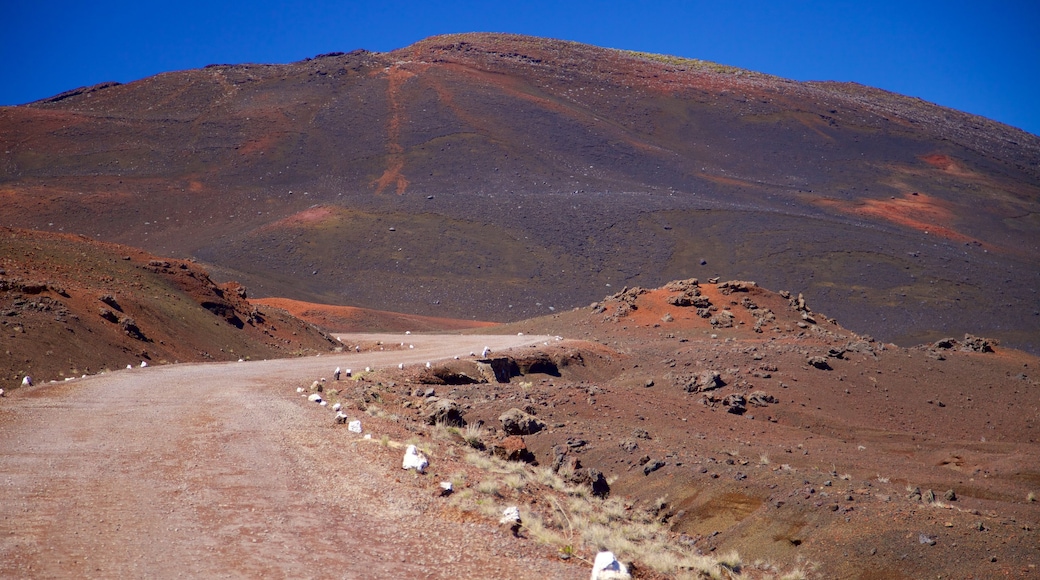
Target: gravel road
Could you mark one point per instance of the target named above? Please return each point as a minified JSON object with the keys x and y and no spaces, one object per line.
{"x":221,"y":470}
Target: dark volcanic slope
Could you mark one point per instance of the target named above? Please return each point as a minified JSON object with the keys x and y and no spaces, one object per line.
{"x":494,"y":176}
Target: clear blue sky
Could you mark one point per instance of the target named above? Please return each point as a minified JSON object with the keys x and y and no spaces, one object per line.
{"x":979,"y":57}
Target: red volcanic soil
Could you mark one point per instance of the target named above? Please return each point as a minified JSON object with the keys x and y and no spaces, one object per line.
{"x":913,"y":210}
{"x":520,"y":173}
{"x":817,"y":447}
{"x":352,"y":319}
{"x":71,"y":306}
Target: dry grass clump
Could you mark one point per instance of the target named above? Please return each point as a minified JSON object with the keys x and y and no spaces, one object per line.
{"x":574,"y":521}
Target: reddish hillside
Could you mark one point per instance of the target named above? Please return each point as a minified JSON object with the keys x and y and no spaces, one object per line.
{"x":352,"y":319}
{"x":744,"y":420}
{"x":495,"y":176}
{"x":71,"y":306}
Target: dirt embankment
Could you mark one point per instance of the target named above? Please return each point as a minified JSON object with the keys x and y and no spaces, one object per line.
{"x":70,"y":306}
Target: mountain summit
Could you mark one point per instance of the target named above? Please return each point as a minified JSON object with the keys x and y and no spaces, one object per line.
{"x":501,"y":177}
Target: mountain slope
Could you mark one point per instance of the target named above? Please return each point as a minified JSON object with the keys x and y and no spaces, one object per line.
{"x":496,"y":176}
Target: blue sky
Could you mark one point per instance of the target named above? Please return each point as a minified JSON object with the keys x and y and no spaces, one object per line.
{"x":979,"y":57}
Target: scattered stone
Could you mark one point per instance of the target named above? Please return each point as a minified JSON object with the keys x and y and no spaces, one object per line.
{"x":819,"y":362}
{"x":926,"y":539}
{"x":446,"y":488}
{"x":640,"y":434}
{"x":314,"y":398}
{"x":950,"y":495}
{"x":340,"y":418}
{"x":511,"y":517}
{"x":414,"y":459}
{"x":978,"y":344}
{"x":735,"y":403}
{"x":517,"y":422}
{"x":706,"y":381}
{"x":761,"y":399}
{"x":354,"y":426}
{"x":607,"y":567}
{"x":629,"y":445}
{"x":652,"y":466}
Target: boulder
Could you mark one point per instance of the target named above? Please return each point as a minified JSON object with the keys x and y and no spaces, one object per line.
{"x":445,"y":412}
{"x":517,"y":422}
{"x":706,"y":381}
{"x":512,"y":448}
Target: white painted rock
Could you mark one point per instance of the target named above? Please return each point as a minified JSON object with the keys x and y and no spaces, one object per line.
{"x":337,"y":407}
{"x":340,"y":417}
{"x":368,"y":369}
{"x":400,"y":365}
{"x":511,"y":515}
{"x":323,"y":403}
{"x":143,"y":364}
{"x":299,"y":389}
{"x":348,"y":372}
{"x":447,"y":487}
{"x":485,"y":352}
{"x":355,"y":427}
{"x":413,"y":459}
{"x":27,"y":381}
{"x":335,"y":374}
{"x":314,"y":398}
{"x":607,"y":567}
{"x":129,"y":366}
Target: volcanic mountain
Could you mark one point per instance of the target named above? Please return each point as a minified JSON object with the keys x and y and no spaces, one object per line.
{"x":500,"y":177}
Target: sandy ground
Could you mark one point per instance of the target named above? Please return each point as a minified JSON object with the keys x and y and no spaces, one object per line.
{"x":217,"y":470}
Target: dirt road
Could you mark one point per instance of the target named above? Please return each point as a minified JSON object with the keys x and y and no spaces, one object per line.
{"x":221,"y":470}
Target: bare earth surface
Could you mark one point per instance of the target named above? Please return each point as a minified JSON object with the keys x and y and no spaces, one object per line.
{"x":217,"y":470}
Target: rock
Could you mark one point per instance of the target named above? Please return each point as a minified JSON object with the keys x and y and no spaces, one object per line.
{"x":819,"y":362}
{"x":641,"y":433}
{"x":607,"y":567}
{"x":944,"y":344}
{"x":445,"y":412}
{"x":761,"y":399}
{"x":978,"y":344}
{"x":723,"y":319}
{"x":652,"y":466}
{"x":340,"y":418}
{"x":446,"y":488}
{"x":629,"y":445}
{"x":314,"y":398}
{"x":950,"y":495}
{"x":929,"y":496}
{"x":706,"y":381}
{"x":27,"y":381}
{"x":512,"y":448}
{"x":735,"y":404}
{"x":414,"y":459}
{"x":926,"y":539}
{"x":354,"y":426}
{"x":511,"y":517}
{"x":517,"y":422}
